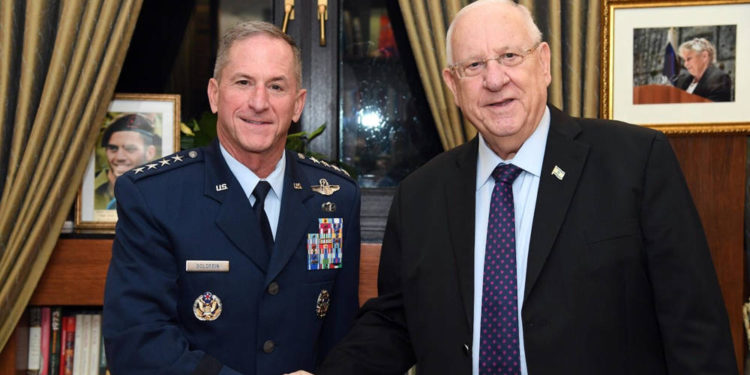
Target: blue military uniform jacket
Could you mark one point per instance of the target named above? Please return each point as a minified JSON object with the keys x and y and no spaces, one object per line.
{"x":275,"y":315}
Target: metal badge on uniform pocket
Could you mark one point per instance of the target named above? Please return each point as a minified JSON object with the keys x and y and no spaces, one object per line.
{"x":324,"y":301}
{"x":207,"y":307}
{"x":325,"y":249}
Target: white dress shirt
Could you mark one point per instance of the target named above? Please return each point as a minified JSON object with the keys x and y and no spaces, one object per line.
{"x":248,"y":180}
{"x":525,"y":188}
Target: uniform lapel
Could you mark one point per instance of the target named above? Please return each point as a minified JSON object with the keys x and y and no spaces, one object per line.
{"x":235,"y":217}
{"x":555,"y":194}
{"x":460,"y":196}
{"x":294,"y":218}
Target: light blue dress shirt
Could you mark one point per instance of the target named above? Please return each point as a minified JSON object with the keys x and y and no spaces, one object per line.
{"x":525,"y":188}
{"x":248,"y":180}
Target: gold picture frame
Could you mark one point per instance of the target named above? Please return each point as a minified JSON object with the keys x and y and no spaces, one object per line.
{"x":631,"y":34}
{"x":145,"y":127}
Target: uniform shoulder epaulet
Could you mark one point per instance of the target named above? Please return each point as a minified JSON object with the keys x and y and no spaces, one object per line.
{"x":166,"y":163}
{"x":324,"y":165}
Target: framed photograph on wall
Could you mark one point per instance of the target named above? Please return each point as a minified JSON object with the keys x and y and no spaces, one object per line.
{"x":678,"y":66}
{"x":138,"y":128}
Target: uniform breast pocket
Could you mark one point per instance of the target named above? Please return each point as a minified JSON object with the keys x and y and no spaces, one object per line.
{"x":320,"y":276}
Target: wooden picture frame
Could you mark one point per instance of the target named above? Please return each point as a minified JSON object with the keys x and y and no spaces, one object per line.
{"x":635,"y":59}
{"x":138,"y":128}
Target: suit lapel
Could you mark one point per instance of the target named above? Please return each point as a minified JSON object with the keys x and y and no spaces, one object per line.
{"x":235,"y":217}
{"x":294,"y":218}
{"x":555,"y":194}
{"x":460,"y":196}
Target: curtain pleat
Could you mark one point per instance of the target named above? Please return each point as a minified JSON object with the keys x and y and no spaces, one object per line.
{"x":426,"y":25}
{"x":62,"y":99}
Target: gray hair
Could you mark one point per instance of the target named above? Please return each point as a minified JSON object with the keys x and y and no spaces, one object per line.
{"x":700,"y":45}
{"x":248,"y":29}
{"x":534,"y":31}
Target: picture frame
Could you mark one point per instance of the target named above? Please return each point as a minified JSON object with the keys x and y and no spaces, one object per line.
{"x":637,"y":85}
{"x":138,"y":128}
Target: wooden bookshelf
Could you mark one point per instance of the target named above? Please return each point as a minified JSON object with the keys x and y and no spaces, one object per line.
{"x":76,"y":273}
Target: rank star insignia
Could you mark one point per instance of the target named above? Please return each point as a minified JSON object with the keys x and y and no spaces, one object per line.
{"x":324,"y":188}
{"x":207,"y":307}
{"x":164,"y":162}
{"x":177,"y":158}
{"x":324,"y":301}
{"x":138,"y":170}
{"x":152,"y":166}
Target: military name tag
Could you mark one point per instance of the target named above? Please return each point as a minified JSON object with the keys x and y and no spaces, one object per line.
{"x":207,"y":266}
{"x":325,"y":249}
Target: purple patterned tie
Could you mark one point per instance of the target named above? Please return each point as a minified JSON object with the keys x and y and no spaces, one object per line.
{"x":498,"y":345}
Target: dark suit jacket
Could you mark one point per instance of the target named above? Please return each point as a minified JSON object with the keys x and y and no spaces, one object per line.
{"x":714,"y":85}
{"x":619,"y":277}
{"x":194,"y":209}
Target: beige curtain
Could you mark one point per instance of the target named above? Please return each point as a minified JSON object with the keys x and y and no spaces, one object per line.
{"x":426,"y":23}
{"x":59,"y":66}
{"x":570,"y":27}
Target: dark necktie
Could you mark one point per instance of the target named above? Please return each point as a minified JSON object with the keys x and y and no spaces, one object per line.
{"x":499,"y":346}
{"x":260,"y":192}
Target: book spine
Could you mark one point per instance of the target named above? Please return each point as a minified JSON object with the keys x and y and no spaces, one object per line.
{"x":102,"y":358}
{"x":46,"y":327}
{"x":35,"y":341}
{"x":95,"y":343}
{"x":66,"y":363}
{"x":55,"y":341}
{"x":78,"y":347}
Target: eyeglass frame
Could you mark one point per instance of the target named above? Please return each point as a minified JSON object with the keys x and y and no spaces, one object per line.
{"x":459,"y":68}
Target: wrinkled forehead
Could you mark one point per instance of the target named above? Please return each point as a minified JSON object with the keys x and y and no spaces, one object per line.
{"x":490,"y":29}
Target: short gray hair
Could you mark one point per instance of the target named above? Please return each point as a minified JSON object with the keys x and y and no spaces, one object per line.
{"x":533,"y":29}
{"x":700,"y":45}
{"x":248,"y":29}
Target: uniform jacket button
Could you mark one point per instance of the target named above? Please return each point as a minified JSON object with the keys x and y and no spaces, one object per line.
{"x":268,"y":346}
{"x":273,"y":288}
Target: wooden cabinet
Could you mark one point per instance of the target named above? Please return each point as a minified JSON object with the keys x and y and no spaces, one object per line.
{"x":76,"y":273}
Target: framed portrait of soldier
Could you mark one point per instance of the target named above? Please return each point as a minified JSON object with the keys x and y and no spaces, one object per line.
{"x":137,"y":129}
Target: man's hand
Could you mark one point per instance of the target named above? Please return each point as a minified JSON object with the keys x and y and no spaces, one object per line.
{"x":300,"y":372}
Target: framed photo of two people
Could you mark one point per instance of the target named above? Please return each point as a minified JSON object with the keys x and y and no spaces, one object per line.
{"x":678,"y":66}
{"x":138,"y":128}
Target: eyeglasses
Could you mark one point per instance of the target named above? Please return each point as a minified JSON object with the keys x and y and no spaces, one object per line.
{"x":474,"y":68}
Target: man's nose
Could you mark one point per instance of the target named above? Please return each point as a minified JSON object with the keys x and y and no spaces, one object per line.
{"x":258,"y":100}
{"x":495,"y":75}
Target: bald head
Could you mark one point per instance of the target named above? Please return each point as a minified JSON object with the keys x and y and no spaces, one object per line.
{"x":477,"y":7}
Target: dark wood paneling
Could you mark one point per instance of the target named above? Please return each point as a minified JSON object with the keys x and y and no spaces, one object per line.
{"x":75,"y":274}
{"x":368,"y":271}
{"x":714,"y":167}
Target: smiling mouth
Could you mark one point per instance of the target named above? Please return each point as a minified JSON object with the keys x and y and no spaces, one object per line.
{"x":501,"y":103}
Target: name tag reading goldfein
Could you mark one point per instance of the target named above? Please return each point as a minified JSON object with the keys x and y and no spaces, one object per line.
{"x":207,"y":266}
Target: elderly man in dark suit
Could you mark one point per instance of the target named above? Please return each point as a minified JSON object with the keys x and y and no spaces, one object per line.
{"x":241,"y":257}
{"x":702,"y":77}
{"x":546,"y":245}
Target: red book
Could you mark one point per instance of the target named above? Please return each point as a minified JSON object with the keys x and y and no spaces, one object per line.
{"x":46,"y":321}
{"x":68,"y":342}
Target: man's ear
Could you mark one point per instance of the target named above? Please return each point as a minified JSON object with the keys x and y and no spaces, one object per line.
{"x":299,"y":104}
{"x":213,"y":94}
{"x":451,"y":81}
{"x":150,"y":153}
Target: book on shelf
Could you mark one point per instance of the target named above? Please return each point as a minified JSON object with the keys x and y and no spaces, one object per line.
{"x":66,"y":355}
{"x":55,"y":341}
{"x":35,"y":341}
{"x":46,"y":322}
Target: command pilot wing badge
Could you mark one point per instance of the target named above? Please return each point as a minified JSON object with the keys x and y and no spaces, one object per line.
{"x":324,"y":188}
{"x":207,"y":307}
